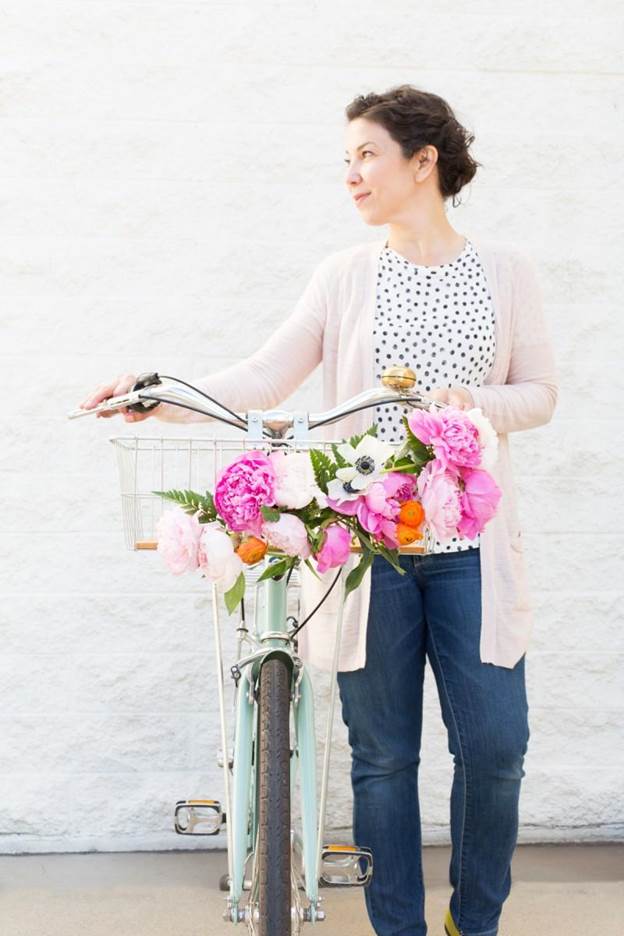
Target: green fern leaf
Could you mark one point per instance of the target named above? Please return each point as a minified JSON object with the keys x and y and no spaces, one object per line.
{"x":324,"y":469}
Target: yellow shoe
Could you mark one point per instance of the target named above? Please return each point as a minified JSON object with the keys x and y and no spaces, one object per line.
{"x":449,"y":925}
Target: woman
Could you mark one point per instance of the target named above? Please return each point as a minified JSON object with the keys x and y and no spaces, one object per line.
{"x":467,"y":316}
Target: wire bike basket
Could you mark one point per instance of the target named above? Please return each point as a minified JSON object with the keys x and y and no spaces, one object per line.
{"x":148,"y":464}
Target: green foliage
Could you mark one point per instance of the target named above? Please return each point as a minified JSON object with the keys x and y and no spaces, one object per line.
{"x":406,"y":465}
{"x":340,"y":461}
{"x":417,"y":451}
{"x":355,"y":576}
{"x":191,"y":502}
{"x":270,"y":514}
{"x":387,"y":554}
{"x":355,"y":440}
{"x":315,"y":538}
{"x":324,"y":469}
{"x":276,"y":569}
{"x":312,"y":570}
{"x":235,"y":594}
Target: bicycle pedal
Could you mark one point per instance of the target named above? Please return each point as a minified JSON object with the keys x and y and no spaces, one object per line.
{"x":198,"y":817}
{"x":346,"y":866}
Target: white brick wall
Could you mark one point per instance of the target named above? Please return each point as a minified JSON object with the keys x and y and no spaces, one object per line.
{"x":170,"y":174}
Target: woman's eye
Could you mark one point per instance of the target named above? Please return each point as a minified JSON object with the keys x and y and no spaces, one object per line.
{"x":364,"y":152}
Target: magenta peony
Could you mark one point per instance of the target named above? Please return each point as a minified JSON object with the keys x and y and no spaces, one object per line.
{"x":454,"y":437}
{"x":439,"y":495}
{"x":178,"y":540}
{"x":242,"y":488}
{"x":335,"y":548}
{"x":288,"y":534}
{"x":478,"y":501}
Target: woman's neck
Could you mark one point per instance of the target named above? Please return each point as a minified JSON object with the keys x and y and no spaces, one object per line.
{"x":427,"y":247}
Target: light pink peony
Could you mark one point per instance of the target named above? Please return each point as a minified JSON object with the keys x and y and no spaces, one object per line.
{"x":488,"y":437}
{"x":439,"y":495}
{"x":288,"y":534}
{"x":478,"y":500}
{"x":335,"y":548}
{"x":295,"y":484}
{"x":216,"y":557}
{"x":178,"y":539}
{"x":242,"y":488}
{"x":454,"y":437}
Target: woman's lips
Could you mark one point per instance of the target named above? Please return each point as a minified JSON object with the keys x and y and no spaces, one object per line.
{"x":360,"y":198}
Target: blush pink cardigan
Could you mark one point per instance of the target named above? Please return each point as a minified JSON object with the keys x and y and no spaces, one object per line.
{"x":332,"y":324}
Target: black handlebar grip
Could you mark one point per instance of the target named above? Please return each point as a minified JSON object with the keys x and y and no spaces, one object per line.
{"x":144,"y":380}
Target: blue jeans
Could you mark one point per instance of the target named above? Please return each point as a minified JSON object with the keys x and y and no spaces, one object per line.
{"x":434,"y":612}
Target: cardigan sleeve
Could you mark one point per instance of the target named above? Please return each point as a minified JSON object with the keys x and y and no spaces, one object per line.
{"x":528,"y":397}
{"x":275,"y":369}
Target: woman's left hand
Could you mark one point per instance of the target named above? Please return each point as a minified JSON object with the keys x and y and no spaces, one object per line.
{"x":455,"y":396}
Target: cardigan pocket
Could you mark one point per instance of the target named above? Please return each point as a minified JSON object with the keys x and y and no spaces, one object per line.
{"x":517,"y":542}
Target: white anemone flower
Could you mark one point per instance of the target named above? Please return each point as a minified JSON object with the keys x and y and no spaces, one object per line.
{"x":366,"y":462}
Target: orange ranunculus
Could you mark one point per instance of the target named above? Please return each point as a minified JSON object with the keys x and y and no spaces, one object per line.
{"x":406,"y":534}
{"x":412,"y":513}
{"x":251,"y":550}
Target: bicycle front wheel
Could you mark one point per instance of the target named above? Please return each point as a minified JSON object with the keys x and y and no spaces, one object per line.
{"x":274,"y":859}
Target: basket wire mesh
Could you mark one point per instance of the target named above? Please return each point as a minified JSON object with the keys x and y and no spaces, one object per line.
{"x":162,"y":464}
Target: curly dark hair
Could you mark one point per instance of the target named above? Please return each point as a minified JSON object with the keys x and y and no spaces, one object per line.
{"x":416,"y":118}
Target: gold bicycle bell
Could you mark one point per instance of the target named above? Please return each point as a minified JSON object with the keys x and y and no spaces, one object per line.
{"x":398,"y":378}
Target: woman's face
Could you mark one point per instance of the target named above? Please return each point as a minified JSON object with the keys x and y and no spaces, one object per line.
{"x":376,"y":166}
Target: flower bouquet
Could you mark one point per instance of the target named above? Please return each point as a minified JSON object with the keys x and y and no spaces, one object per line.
{"x":306,"y":506}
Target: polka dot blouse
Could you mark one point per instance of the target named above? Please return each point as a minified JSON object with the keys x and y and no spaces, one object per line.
{"x":438,"y":320}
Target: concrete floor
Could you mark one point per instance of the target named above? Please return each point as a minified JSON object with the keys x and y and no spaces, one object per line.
{"x":557,"y":890}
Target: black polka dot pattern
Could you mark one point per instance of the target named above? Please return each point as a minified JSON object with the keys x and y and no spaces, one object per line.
{"x":438,"y":320}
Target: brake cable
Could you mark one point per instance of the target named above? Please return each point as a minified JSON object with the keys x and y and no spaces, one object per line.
{"x":313,"y":612}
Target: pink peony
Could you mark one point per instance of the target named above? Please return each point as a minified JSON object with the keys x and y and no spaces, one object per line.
{"x":479,"y":501}
{"x":401,"y":486}
{"x":335,"y":548}
{"x":242,"y":488}
{"x":454,"y":437}
{"x":440,"y":497}
{"x":216,"y":557}
{"x":288,"y":534}
{"x":178,"y":539}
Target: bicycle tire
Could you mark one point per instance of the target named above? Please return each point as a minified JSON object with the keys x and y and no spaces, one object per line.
{"x":274,"y":857}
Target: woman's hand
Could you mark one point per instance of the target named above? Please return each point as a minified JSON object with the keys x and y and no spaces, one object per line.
{"x":116,"y":387}
{"x":455,"y":396}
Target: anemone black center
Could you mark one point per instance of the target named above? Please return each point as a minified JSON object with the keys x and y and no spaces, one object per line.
{"x":365,"y":465}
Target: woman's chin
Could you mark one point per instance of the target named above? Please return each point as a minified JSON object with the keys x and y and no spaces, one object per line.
{"x":373,"y":220}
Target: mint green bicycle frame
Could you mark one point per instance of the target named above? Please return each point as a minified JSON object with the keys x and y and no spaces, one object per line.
{"x":242,"y":819}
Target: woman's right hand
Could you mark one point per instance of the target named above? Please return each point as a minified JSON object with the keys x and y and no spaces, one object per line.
{"x":116,"y":387}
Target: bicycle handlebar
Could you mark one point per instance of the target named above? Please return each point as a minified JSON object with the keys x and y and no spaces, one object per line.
{"x":275,"y":422}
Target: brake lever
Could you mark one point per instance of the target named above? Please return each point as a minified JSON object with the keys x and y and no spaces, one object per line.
{"x":142,"y":381}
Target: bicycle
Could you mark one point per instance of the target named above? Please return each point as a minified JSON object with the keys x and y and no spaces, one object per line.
{"x":272,"y":685}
